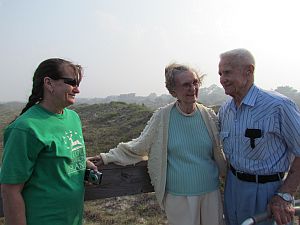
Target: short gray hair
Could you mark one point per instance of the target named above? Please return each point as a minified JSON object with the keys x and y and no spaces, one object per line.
{"x":173,"y":70}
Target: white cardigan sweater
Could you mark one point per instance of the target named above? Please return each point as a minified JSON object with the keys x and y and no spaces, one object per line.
{"x":151,"y":145}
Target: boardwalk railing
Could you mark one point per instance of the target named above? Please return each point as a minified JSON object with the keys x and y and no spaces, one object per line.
{"x":117,"y":181}
{"x":266,"y":215}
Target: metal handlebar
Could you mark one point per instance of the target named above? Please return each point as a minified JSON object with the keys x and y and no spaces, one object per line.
{"x":264,"y":216}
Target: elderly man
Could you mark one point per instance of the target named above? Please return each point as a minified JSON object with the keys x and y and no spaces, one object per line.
{"x":260,"y":132}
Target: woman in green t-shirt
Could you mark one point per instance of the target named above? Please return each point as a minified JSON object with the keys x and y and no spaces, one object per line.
{"x":44,"y":157}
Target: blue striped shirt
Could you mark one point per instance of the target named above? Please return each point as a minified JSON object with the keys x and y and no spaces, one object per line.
{"x":276,"y":116}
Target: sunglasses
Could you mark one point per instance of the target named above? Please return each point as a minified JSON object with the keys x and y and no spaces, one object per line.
{"x":70,"y":81}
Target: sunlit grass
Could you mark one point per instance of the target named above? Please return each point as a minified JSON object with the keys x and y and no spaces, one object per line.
{"x":134,"y":210}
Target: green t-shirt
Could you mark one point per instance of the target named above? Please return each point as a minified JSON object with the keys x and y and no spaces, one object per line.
{"x":46,"y":151}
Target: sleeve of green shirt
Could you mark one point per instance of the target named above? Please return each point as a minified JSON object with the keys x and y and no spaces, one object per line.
{"x":21,"y":150}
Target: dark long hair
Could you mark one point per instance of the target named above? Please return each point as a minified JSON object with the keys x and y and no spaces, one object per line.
{"x":52,"y":68}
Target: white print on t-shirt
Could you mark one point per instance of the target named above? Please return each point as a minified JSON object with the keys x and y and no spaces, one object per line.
{"x":74,"y":144}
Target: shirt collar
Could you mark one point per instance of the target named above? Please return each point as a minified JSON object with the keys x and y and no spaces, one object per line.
{"x":250,"y":97}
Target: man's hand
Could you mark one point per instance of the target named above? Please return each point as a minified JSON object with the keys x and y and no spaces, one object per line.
{"x":282,"y":211}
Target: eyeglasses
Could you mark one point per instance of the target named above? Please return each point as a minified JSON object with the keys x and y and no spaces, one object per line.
{"x":70,"y":81}
{"x":194,"y":84}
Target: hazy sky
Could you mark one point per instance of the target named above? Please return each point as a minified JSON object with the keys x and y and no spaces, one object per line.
{"x":124,"y":45}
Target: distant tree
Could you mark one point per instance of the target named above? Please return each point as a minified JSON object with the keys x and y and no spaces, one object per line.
{"x":212,"y":95}
{"x":287,"y":91}
{"x":290,"y":92}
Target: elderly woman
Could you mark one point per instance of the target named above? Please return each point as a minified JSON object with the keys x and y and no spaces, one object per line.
{"x":44,"y":161}
{"x":178,"y":142}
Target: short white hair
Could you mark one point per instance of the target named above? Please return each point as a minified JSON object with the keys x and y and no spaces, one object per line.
{"x":240,"y":56}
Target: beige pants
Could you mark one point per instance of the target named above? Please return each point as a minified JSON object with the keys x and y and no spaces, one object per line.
{"x":194,"y":210}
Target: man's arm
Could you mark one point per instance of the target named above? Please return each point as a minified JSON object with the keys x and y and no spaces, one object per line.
{"x":292,"y":181}
{"x":13,"y":204}
{"x":282,"y":210}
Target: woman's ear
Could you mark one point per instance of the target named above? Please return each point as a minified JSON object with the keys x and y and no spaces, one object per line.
{"x":173,"y":93}
{"x":48,"y":84}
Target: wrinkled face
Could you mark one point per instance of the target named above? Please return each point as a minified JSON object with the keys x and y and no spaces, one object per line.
{"x":232,"y":78}
{"x":66,"y":88}
{"x":186,"y":87}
